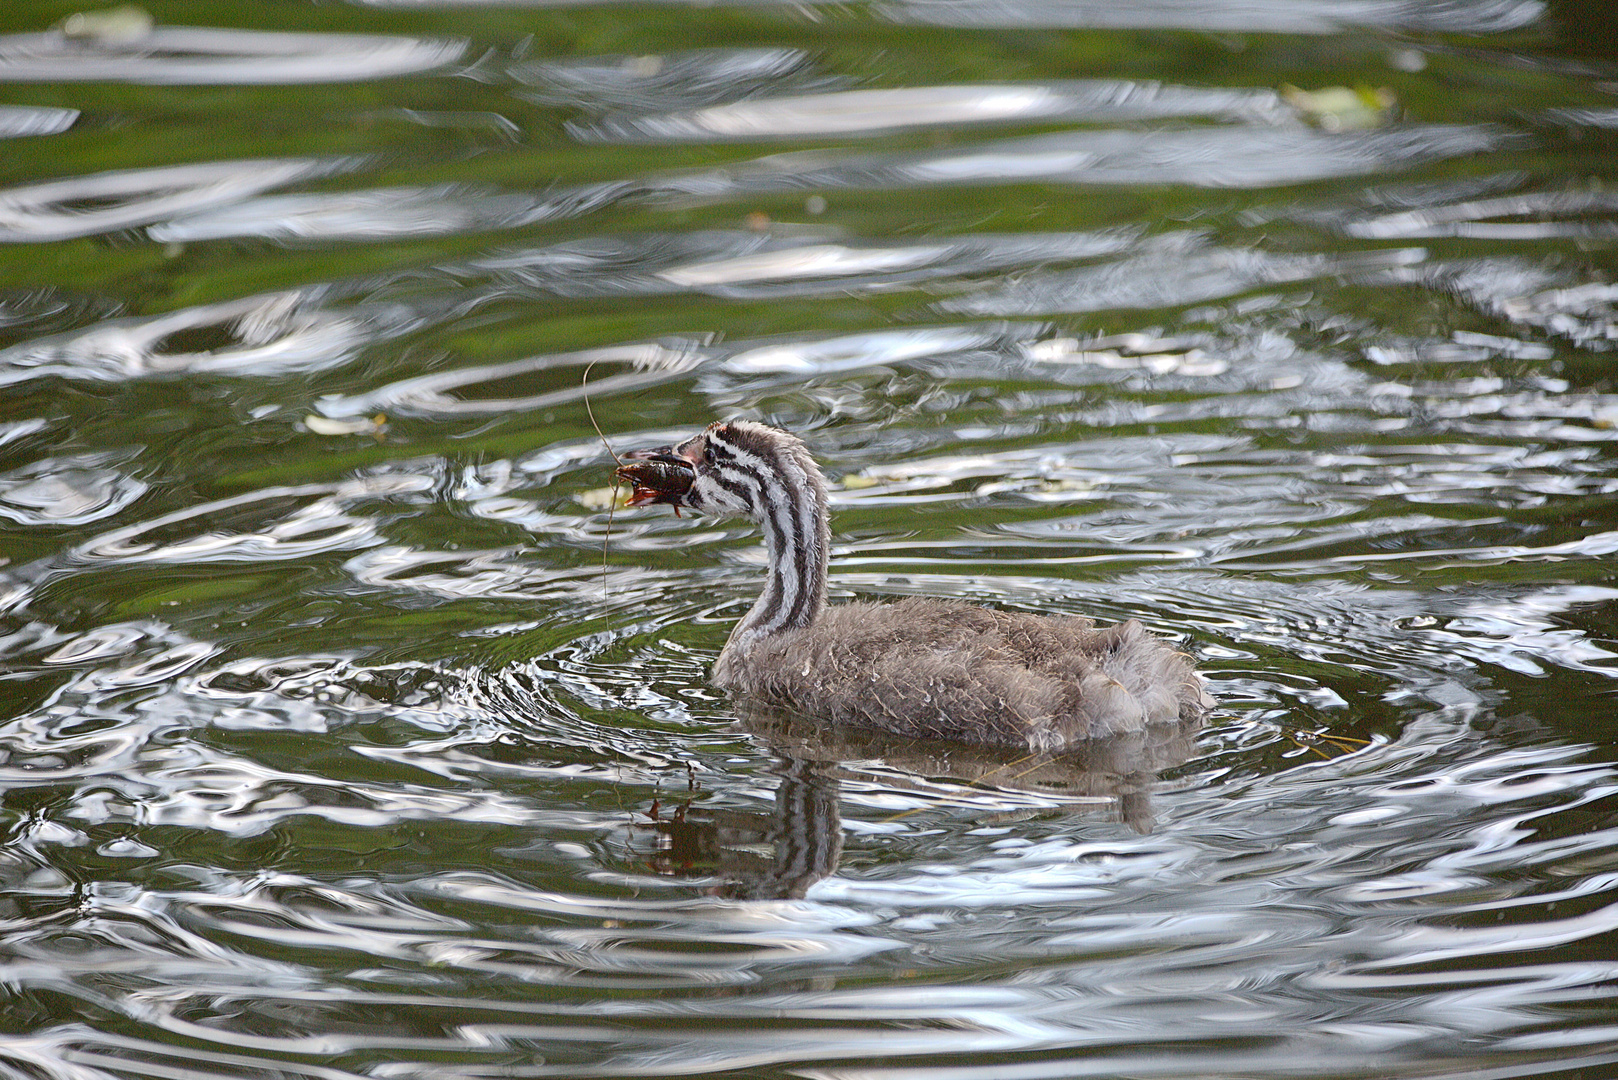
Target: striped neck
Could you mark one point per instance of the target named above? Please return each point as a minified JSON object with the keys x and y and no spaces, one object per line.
{"x":790,"y":507}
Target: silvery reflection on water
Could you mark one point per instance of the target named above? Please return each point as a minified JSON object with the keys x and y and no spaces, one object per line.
{"x":873,"y":112}
{"x":297,"y":330}
{"x":123,"y":199}
{"x":201,"y":56}
{"x":1254,"y":16}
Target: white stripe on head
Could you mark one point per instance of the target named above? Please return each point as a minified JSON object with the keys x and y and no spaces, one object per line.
{"x":767,"y":474}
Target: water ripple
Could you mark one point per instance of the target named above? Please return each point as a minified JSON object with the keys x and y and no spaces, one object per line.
{"x":1169,"y":271}
{"x":1262,"y":16}
{"x":70,"y":490}
{"x":381,"y":213}
{"x":1470,"y":219}
{"x":874,"y":112}
{"x":104,"y":202}
{"x":134,"y":51}
{"x":665,"y":80}
{"x":319,"y":520}
{"x":395,"y":753}
{"x":17,"y":121}
{"x":273,"y":333}
{"x":428,"y":395}
{"x":746,"y":264}
{"x":856,"y":351}
{"x":1531,"y":294}
{"x":393,"y":213}
{"x":1239,"y":157}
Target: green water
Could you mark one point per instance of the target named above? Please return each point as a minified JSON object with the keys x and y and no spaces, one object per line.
{"x":344,"y":733}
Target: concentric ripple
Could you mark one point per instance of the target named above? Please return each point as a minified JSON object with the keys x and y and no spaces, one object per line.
{"x":351,"y":726}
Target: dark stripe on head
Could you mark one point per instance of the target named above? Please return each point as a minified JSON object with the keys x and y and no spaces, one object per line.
{"x":770,"y":472}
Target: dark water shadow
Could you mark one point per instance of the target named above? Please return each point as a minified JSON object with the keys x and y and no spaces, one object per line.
{"x":781,"y":854}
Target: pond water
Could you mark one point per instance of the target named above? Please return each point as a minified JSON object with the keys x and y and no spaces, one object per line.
{"x":346,"y":732}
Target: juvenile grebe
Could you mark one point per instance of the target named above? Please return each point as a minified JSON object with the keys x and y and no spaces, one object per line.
{"x":918,"y":668}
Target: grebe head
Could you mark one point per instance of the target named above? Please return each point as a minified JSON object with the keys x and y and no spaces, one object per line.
{"x":732,"y":468}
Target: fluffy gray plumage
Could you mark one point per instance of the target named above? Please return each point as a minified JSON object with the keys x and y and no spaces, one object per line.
{"x":944,"y":670}
{"x":918,"y":668}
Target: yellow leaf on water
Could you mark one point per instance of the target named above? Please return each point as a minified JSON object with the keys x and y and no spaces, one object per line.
{"x":1342,"y":108}
{"x":115,"y":26}
{"x":325,"y":425}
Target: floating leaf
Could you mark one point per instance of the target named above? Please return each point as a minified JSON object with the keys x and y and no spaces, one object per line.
{"x":359,"y":425}
{"x":115,"y":26}
{"x":1342,"y":108}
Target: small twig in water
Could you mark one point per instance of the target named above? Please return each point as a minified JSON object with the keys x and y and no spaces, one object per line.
{"x":612,"y":504}
{"x":1308,"y":740}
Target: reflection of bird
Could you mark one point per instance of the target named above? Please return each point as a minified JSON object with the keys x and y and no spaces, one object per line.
{"x":919,"y":668}
{"x":1118,"y":774}
{"x":781,"y":854}
{"x":804,"y":835}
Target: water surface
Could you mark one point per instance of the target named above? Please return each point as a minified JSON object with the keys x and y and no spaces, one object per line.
{"x":332,"y":745}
